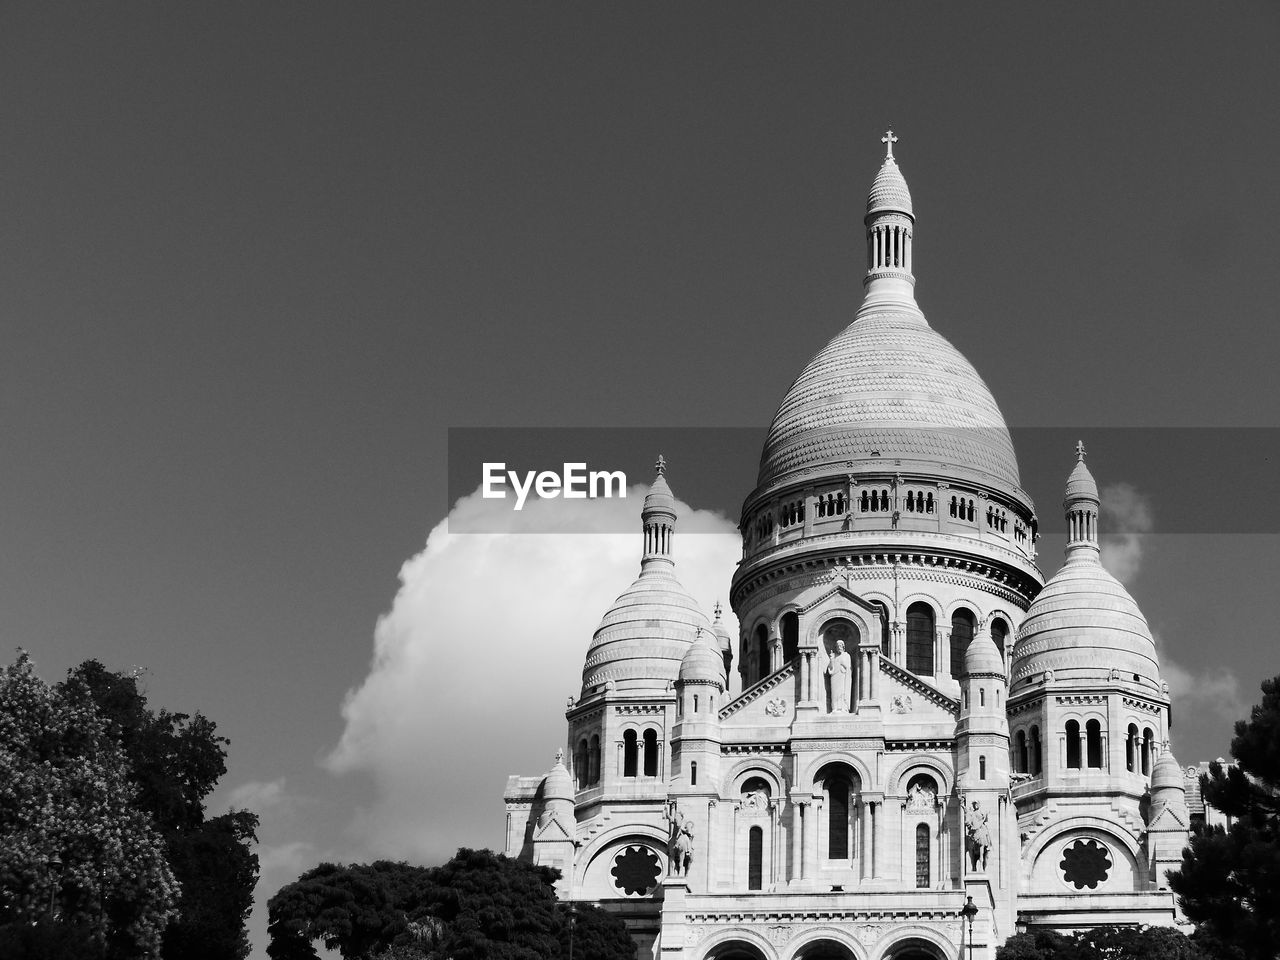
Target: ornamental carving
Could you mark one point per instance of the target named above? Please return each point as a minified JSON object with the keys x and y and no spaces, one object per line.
{"x":901,"y":703}
{"x":779,"y":933}
{"x":776,"y":707}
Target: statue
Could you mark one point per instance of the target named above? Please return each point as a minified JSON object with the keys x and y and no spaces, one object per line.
{"x":978,"y":834}
{"x":840,"y":668}
{"x":680,"y":845}
{"x":921,"y":795}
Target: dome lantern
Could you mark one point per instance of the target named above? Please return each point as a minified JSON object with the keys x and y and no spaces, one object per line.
{"x":890,"y":225}
{"x":1081,"y":504}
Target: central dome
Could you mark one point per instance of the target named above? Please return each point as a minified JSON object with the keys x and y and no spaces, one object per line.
{"x":889,"y":388}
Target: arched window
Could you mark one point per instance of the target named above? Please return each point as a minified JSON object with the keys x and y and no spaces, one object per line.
{"x":1147,"y":737}
{"x":920,"y":633}
{"x":962,"y":623}
{"x":982,"y":768}
{"x":922,"y":855}
{"x":593,"y":761}
{"x":1000,"y":633}
{"x":982,"y":696}
{"x":840,"y":793}
{"x":760,"y":651}
{"x":693,"y":773}
{"x":651,"y":752}
{"x":1035,"y":752}
{"x":1093,"y":744}
{"x":790,"y":637}
{"x":1073,"y":744}
{"x":630,"y":754}
{"x":1131,"y":749}
{"x":862,"y":503}
{"x":580,"y":763}
{"x":755,"y":859}
{"x":1020,"y":752}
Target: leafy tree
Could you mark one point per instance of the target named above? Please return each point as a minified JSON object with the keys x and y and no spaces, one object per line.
{"x":1102,"y":943}
{"x":72,"y":841}
{"x":1229,"y":882}
{"x":176,"y":760}
{"x":478,"y":906}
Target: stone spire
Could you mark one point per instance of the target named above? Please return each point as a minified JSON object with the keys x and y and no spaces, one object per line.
{"x":659,"y":519}
{"x":1081,"y":504}
{"x":890,"y":224}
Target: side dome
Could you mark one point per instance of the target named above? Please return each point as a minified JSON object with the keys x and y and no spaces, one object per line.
{"x":703,"y":662}
{"x":644,"y":636}
{"x":1084,"y":624}
{"x":982,"y":657}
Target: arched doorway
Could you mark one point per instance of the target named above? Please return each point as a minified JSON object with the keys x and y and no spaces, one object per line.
{"x":735,"y":950}
{"x":824,"y":949}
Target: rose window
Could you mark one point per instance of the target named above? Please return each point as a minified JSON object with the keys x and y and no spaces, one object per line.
{"x":1085,"y":863}
{"x":635,"y":871}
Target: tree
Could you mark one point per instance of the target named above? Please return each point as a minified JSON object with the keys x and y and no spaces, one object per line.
{"x":73,"y":845}
{"x":1102,"y":943}
{"x":1229,"y":881}
{"x":478,"y":906}
{"x":175,"y":761}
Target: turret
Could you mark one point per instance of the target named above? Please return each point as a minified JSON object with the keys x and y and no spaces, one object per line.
{"x":1168,"y":820}
{"x":700,"y":690}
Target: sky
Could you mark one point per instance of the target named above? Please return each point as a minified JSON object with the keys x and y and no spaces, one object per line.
{"x":256,"y":261}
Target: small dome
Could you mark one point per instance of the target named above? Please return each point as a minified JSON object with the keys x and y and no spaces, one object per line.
{"x":703,"y":663}
{"x":982,"y":656}
{"x":558,"y":785}
{"x":723,"y":637}
{"x":1081,"y":485}
{"x":1167,"y":775}
{"x":1084,"y":625}
{"x":889,"y":190}
{"x":660,"y":498}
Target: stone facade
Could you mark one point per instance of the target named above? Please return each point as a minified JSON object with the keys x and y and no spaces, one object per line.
{"x":911,"y":721}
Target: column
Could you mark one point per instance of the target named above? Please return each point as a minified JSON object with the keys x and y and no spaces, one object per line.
{"x":864,"y":839}
{"x":797,"y":832}
{"x":812,"y":815}
{"x":733,"y":846}
{"x":775,"y":654}
{"x":875,"y":839}
{"x":709,"y":856}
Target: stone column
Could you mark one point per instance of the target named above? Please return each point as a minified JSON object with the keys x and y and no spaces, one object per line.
{"x":710,"y":846}
{"x":797,"y":832}
{"x":733,"y":845}
{"x":813,"y":814}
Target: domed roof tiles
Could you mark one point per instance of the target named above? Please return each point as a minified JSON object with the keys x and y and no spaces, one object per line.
{"x":982,"y":656}
{"x":889,"y":190}
{"x":1081,"y":485}
{"x":703,"y":663}
{"x":1167,"y":775}
{"x":888,"y":387}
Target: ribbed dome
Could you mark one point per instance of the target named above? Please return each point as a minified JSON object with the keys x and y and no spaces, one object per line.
{"x":1081,"y":485}
{"x":1167,"y":775}
{"x":889,"y":190}
{"x":644,"y":636}
{"x":703,"y":663}
{"x":888,"y":387}
{"x":982,"y":656}
{"x":558,"y":785}
{"x":642,"y":640}
{"x":1084,"y":624}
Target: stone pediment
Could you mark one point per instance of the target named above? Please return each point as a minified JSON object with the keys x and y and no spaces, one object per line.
{"x":840,"y":592}
{"x":550,"y":831}
{"x":780,"y":681}
{"x":914,"y":687}
{"x":1169,"y":819}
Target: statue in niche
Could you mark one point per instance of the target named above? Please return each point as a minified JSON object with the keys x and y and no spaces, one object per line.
{"x":680,"y":845}
{"x":757,"y":801}
{"x":978,"y":835}
{"x":840,"y":669}
{"x":921,"y":795}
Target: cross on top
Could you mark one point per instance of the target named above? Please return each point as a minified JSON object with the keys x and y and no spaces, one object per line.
{"x":888,"y":140}
{"x":717,"y":611}
{"x":1080,"y":451}
{"x":661,"y":465}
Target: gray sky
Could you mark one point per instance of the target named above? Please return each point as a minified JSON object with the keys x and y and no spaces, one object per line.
{"x":256,"y":259}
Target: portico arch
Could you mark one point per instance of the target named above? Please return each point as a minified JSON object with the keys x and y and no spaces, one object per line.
{"x":738,"y":945}
{"x":827,"y":945}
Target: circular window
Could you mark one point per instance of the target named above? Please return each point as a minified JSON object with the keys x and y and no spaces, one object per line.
{"x":1085,"y":863}
{"x":635,"y":871}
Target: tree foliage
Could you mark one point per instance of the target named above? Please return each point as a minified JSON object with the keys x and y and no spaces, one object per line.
{"x":1102,"y":943}
{"x":478,"y":906}
{"x":175,"y":761}
{"x":72,"y":841}
{"x":1229,"y":882}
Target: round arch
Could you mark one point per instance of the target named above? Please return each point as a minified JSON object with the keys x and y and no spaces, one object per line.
{"x":928,"y":600}
{"x":737,"y":945}
{"x":918,"y":944}
{"x":749,"y":768}
{"x":808,"y":775}
{"x":819,"y":618}
{"x":896,"y":783}
{"x":1075,"y":824}
{"x":827,"y":943}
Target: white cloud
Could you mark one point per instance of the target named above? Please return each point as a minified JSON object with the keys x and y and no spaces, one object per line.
{"x":483,"y":644}
{"x":259,"y":796}
{"x":1127,"y":513}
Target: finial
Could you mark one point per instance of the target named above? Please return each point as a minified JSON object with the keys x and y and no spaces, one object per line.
{"x":661,"y":465}
{"x":717,"y":611}
{"x":888,"y":140}
{"x":1080,"y":454}
{"x":560,"y":756}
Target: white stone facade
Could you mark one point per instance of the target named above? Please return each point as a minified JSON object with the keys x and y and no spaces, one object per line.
{"x":874,"y":749}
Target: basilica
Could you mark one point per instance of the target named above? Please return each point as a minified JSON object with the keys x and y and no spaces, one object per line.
{"x":916,"y":745}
